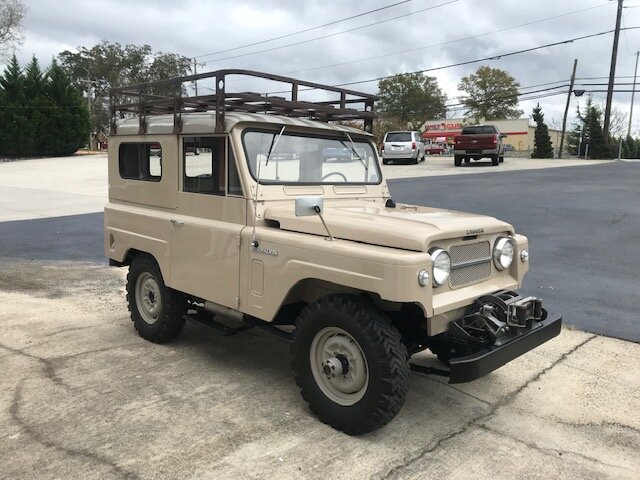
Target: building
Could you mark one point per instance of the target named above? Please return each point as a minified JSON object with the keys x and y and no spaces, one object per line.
{"x":520,"y":134}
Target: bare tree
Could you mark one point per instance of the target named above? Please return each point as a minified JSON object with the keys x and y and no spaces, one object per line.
{"x":619,"y":122}
{"x":11,"y":14}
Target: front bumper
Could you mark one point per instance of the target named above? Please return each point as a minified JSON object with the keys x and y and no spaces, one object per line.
{"x":478,"y":364}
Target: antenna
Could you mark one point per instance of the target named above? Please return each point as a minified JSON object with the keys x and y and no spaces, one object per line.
{"x":272,"y":147}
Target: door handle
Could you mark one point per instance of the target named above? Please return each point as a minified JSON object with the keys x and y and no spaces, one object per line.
{"x":177,"y":223}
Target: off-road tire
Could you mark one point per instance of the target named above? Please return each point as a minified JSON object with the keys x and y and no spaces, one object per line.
{"x":457,"y":160}
{"x":381,"y":345}
{"x":170,"y":321}
{"x":495,"y":160}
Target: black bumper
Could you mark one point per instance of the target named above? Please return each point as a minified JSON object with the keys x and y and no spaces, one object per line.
{"x":466,"y":369}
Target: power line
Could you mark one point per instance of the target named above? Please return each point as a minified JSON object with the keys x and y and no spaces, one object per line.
{"x":330,"y":34}
{"x":424,"y":47}
{"x":493,"y":57}
{"x":303,"y":31}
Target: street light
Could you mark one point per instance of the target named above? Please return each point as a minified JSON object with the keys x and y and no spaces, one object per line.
{"x":578,"y":93}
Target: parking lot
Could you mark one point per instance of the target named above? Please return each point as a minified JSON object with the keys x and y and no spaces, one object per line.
{"x":83,"y":397}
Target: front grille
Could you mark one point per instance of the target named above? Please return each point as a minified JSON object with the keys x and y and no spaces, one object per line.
{"x":470,"y":263}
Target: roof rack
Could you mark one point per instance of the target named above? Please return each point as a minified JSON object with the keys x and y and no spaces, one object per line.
{"x":168,"y":97}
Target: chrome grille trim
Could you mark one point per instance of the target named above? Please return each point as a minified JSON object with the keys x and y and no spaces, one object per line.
{"x":470,"y":263}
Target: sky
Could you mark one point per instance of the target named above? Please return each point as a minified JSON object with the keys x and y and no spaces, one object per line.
{"x":426,"y":34}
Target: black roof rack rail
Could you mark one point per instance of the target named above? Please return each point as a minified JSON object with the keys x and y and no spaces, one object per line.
{"x":168,"y":97}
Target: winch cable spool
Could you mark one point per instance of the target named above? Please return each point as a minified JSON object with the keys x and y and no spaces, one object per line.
{"x":491,"y":318}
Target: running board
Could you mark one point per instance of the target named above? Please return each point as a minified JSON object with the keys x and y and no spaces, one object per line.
{"x":429,"y":370}
{"x":220,"y":328}
{"x":208,"y":321}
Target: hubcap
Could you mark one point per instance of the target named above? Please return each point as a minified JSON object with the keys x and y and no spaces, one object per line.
{"x":338,"y":366}
{"x":148,"y":298}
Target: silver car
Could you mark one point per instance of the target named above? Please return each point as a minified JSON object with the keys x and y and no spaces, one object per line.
{"x":403,"y":145}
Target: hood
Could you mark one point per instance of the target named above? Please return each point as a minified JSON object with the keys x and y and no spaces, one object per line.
{"x":407,"y":227}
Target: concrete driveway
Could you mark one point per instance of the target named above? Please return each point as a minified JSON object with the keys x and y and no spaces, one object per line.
{"x":81,"y":396}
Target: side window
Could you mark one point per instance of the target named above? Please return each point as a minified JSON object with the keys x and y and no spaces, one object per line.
{"x":140,"y":161}
{"x":235,"y":188}
{"x":204,"y":165}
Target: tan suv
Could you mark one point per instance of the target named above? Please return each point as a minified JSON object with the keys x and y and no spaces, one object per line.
{"x":272,"y":225}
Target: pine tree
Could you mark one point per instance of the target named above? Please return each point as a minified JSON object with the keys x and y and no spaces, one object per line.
{"x":41,"y":114}
{"x":542,"y":147}
{"x":15,"y":123}
{"x":68,"y":120}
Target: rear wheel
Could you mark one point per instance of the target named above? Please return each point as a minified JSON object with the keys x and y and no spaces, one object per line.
{"x":457,"y":160}
{"x":495,"y":160}
{"x":501,"y":158}
{"x":157,"y":311}
{"x":350,"y":364}
{"x":467,"y":160}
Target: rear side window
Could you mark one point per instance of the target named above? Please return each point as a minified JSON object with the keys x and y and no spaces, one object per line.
{"x":399,"y":137}
{"x":140,"y":161}
{"x":485,"y":130}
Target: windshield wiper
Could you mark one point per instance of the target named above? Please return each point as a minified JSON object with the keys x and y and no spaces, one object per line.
{"x":274,"y":142}
{"x":353,"y":150}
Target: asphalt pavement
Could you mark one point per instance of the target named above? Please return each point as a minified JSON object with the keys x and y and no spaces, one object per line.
{"x":583,"y":225}
{"x":82,"y":396}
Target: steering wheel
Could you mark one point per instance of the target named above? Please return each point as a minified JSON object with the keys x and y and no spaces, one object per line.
{"x":344,"y":178}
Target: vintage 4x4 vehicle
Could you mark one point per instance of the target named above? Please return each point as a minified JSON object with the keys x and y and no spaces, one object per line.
{"x":267,"y":227}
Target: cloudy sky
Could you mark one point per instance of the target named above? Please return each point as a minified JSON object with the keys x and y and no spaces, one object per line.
{"x":409,"y":36}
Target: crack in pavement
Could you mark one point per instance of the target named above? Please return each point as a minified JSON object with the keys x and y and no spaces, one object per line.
{"x":14,"y":411}
{"x":396,"y":471}
{"x":621,"y":426}
{"x":551,"y":451}
{"x":47,"y":365}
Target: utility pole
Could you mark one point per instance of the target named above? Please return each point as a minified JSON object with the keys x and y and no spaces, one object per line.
{"x":566,"y":108}
{"x":195,"y":72}
{"x":612,"y":72}
{"x":633,"y":92}
{"x":89,"y":84}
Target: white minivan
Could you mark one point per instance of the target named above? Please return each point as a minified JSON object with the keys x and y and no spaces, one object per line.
{"x":404,"y":145}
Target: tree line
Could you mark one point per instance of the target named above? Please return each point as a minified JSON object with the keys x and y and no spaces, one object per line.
{"x":41,"y":113}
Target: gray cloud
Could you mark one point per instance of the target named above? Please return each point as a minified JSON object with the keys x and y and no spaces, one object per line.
{"x":196,"y":27}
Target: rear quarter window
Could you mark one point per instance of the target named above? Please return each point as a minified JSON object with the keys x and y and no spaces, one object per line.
{"x":140,"y":161}
{"x":479,"y":130}
{"x":399,"y":137}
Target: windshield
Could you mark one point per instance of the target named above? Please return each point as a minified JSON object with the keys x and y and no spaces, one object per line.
{"x":305,"y":159}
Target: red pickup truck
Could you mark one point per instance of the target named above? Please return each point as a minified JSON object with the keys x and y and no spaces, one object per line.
{"x":478,"y":141}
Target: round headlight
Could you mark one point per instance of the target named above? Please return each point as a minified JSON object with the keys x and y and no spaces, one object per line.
{"x":503,"y":253}
{"x":441,"y":266}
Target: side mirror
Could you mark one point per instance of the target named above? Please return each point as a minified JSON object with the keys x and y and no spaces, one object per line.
{"x":307,"y":206}
{"x":502,"y":135}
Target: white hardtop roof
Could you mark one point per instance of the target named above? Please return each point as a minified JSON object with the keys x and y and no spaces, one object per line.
{"x":204,"y":122}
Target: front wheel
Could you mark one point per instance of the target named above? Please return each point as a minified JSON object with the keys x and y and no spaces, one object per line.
{"x":350,"y":364}
{"x":157,"y":311}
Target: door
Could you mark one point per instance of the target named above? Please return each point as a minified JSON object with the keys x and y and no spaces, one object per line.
{"x":205,"y":232}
